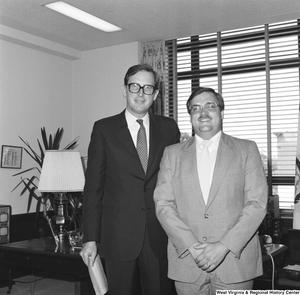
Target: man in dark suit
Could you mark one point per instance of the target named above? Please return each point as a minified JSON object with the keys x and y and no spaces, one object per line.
{"x":118,"y":209}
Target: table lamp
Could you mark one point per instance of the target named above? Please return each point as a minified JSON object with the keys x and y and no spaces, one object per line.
{"x":62,"y":172}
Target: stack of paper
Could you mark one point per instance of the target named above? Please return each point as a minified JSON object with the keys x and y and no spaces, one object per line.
{"x":295,"y":267}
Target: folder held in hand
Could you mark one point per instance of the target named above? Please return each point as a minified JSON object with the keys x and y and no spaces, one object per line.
{"x":98,"y":277}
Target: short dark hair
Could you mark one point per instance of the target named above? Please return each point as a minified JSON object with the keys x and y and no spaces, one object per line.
{"x":200,"y":90}
{"x":138,"y":68}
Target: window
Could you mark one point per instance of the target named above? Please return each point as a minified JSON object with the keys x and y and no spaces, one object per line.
{"x":257,"y":72}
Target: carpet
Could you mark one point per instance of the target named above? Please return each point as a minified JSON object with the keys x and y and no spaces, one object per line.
{"x":47,"y":284}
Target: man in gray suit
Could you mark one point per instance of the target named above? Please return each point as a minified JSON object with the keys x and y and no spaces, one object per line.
{"x":213,"y":241}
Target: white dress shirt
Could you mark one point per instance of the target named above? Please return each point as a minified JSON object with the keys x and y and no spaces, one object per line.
{"x":213,"y":149}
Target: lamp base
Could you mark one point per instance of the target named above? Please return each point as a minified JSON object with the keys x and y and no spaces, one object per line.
{"x":61,"y":219}
{"x":62,"y":233}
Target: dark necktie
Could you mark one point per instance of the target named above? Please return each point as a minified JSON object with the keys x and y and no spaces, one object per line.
{"x":141,"y":145}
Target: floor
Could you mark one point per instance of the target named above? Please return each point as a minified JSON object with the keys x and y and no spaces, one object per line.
{"x":40,"y":285}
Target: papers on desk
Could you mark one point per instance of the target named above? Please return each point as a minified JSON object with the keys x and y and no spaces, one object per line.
{"x":293,"y":272}
{"x":98,"y":277}
{"x":295,"y":267}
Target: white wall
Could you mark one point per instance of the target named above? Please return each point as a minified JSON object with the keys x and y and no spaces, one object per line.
{"x":39,"y":89}
{"x":98,"y":87}
{"x":35,"y":91}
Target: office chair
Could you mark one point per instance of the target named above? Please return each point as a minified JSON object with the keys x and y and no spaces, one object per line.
{"x":286,"y":279}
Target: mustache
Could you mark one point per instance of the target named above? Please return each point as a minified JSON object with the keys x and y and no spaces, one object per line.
{"x":201,"y":117}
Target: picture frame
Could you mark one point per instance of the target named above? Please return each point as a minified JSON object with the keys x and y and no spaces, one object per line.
{"x":11,"y":157}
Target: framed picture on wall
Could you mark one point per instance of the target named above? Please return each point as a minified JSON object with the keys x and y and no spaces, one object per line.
{"x":11,"y":156}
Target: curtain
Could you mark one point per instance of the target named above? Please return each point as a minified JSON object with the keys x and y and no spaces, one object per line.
{"x":153,"y":54}
{"x":296,"y":219}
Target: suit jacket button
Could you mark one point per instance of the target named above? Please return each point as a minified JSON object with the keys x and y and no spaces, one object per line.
{"x":143,"y":208}
{"x":206,"y":215}
{"x":144,"y":189}
{"x":204,"y":238}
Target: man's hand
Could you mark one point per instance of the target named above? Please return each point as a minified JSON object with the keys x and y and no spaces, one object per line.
{"x":212,"y":255}
{"x":195,"y":250}
{"x":89,"y":253}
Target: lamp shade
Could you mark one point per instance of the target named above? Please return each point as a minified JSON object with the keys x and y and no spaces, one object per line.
{"x":62,"y":171}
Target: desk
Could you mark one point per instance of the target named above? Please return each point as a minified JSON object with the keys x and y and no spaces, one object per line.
{"x":43,"y":254}
{"x":265,"y":282}
{"x":274,"y":250}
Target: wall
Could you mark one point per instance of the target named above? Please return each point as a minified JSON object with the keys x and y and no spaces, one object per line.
{"x":98,"y":87}
{"x":35,"y":91}
{"x":39,"y":89}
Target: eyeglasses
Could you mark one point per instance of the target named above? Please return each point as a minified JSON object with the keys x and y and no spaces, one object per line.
{"x":135,"y":88}
{"x":209,"y":106}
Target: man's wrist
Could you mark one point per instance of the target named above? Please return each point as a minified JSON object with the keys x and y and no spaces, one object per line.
{"x":89,"y":243}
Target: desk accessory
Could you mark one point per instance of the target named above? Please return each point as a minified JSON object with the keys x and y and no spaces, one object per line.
{"x":5,"y":213}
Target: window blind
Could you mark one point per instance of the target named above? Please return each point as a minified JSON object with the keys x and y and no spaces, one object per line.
{"x":257,"y":71}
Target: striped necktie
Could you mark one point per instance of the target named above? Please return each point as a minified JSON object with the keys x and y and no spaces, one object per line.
{"x":141,"y":145}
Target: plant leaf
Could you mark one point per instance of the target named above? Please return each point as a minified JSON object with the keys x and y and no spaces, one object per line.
{"x":28,"y":184}
{"x":25,"y":171}
{"x":50,"y":143}
{"x":33,"y":154}
{"x":21,"y":182}
{"x":57,"y":138}
{"x":73,"y":144}
{"x":44,"y":137}
{"x":31,"y":196}
{"x":42,"y":153}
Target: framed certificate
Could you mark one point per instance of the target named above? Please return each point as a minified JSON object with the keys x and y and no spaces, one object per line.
{"x":11,"y":157}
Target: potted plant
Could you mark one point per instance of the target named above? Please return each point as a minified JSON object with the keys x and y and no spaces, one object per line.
{"x":30,"y":183}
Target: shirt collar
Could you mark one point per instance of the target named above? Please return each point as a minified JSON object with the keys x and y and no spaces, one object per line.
{"x":215,"y":139}
{"x":131,"y":120}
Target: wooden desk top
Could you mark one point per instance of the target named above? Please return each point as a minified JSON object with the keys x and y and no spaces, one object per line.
{"x":43,"y":254}
{"x":44,"y":246}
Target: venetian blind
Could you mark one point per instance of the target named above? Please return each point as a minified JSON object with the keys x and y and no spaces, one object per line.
{"x":257,"y":71}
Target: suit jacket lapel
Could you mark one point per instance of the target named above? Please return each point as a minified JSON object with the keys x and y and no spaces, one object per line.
{"x":224,"y":157}
{"x":123,"y":134}
{"x":154,"y":140}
